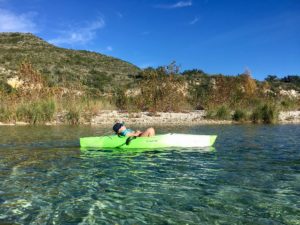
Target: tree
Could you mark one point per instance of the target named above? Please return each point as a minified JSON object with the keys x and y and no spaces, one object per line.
{"x":271,"y":78}
{"x":161,"y":89}
{"x":291,"y":79}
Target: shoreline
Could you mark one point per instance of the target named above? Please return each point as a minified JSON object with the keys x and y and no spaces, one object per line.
{"x":197,"y":117}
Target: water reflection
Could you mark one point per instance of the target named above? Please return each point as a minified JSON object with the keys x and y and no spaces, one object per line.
{"x":95,"y":152}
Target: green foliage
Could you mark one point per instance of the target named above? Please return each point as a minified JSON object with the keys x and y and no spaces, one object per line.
{"x":210,"y":114}
{"x":256,"y":115}
{"x":223,"y":113}
{"x":62,"y":67}
{"x":239,"y":115}
{"x":288,"y":82}
{"x":271,"y":78}
{"x":268,"y":113}
{"x":220,"y":113}
{"x":99,"y":80}
{"x":162,"y":89}
{"x":200,"y":92}
{"x":289,"y":104}
{"x":73,"y":116}
{"x":194,"y":73}
{"x":36,"y":112}
{"x":121,"y":99}
{"x":291,"y":79}
{"x":5,"y":88}
{"x":6,"y":114}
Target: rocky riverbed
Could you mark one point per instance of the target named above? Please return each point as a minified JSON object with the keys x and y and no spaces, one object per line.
{"x":107,"y":117}
{"x":289,"y":117}
{"x":147,"y":118}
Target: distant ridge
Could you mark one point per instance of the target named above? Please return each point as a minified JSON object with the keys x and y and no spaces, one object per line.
{"x":63,"y":66}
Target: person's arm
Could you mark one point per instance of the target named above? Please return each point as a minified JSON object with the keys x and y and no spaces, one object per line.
{"x":134,"y":134}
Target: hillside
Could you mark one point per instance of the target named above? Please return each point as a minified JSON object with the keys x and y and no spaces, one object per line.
{"x":62,"y":67}
{"x":39,"y":81}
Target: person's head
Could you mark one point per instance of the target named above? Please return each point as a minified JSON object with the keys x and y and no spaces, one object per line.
{"x":118,"y":128}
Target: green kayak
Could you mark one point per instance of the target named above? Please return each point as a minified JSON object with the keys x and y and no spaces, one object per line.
{"x":158,"y":141}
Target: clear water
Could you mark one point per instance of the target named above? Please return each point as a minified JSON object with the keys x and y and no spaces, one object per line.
{"x":252,"y":176}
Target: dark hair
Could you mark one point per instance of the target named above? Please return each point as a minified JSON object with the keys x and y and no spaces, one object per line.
{"x":117,"y":127}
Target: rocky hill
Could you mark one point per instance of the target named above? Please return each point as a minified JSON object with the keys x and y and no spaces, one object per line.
{"x":62,"y":67}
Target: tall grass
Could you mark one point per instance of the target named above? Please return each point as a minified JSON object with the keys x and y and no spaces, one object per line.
{"x":220,"y":113}
{"x":69,"y":109}
{"x":121,"y":100}
{"x":81,"y":109}
{"x":223,"y":113}
{"x":267,"y":113}
{"x":36,"y":112}
{"x":240,"y":115}
{"x":73,"y":116}
{"x":289,"y":104}
{"x":6,"y":114}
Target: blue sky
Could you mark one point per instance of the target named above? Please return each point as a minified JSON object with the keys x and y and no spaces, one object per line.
{"x":217,"y":36}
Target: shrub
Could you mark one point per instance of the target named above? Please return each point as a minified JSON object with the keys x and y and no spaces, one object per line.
{"x":223,"y":113}
{"x":209,"y":114}
{"x":36,"y":112}
{"x":239,"y":115}
{"x":73,"y":116}
{"x":256,"y":115}
{"x":48,"y":109}
{"x":26,"y":114}
{"x":162,"y":89}
{"x":268,"y":113}
{"x":6,"y":114}
{"x":121,"y":100}
{"x":289,"y":104}
{"x":98,"y":80}
{"x":5,"y":88}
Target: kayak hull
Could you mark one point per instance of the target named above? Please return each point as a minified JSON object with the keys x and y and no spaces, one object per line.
{"x":158,"y":141}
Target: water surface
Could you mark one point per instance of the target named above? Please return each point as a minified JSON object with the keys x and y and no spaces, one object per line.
{"x":251,"y":176}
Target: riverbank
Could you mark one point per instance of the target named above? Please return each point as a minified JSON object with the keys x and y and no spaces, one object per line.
{"x":187,"y":118}
{"x":289,"y":117}
{"x":198,"y":117}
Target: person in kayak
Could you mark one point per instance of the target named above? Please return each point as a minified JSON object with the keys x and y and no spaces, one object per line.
{"x":121,"y":130}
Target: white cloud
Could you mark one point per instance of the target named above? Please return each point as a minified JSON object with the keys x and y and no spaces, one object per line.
{"x":195,"y":20}
{"x":12,"y":22}
{"x":79,"y":35}
{"x":176,"y":5}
